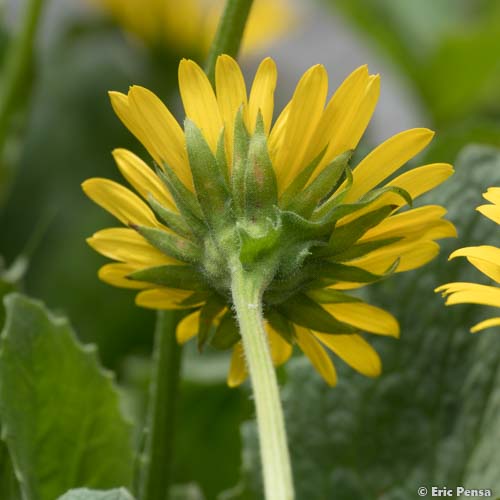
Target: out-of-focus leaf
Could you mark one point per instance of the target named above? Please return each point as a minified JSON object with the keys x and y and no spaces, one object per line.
{"x":59,"y":409}
{"x":9,"y":489}
{"x":86,"y":494}
{"x":463,"y":75}
{"x":432,"y":417}
{"x":186,"y":492}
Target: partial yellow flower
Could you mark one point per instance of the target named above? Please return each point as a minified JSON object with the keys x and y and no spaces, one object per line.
{"x":281,"y":194}
{"x":486,"y":258}
{"x":190,"y":25}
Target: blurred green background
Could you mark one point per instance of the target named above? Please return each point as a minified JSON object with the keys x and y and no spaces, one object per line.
{"x":439,"y":59}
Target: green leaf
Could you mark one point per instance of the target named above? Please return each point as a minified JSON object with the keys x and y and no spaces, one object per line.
{"x":280,"y":324}
{"x":345,"y":236}
{"x":170,"y":244}
{"x":240,"y":153}
{"x":227,"y":333}
{"x":359,"y":250}
{"x":300,"y":180}
{"x":183,"y":277}
{"x":210,"y":310}
{"x":59,"y":409}
{"x":260,"y":186}
{"x":335,"y":272}
{"x":431,"y":418}
{"x":173,"y":220}
{"x":209,"y":182}
{"x":329,"y":296}
{"x":86,"y":494}
{"x":256,"y":240}
{"x":185,"y":200}
{"x":307,"y":200}
{"x":305,"y":312}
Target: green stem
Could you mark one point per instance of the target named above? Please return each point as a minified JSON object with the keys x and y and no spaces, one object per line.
{"x":229,"y":33}
{"x":157,"y":470}
{"x":18,"y":63}
{"x":247,"y":289}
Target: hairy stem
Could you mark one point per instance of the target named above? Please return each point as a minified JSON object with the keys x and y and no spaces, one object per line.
{"x":157,"y":471}
{"x":247,"y":289}
{"x":229,"y":33}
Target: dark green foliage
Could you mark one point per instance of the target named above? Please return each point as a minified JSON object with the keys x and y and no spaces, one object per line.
{"x":183,"y":277}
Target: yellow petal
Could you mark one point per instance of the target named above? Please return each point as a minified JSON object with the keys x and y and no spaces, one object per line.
{"x":142,"y":178}
{"x":238,"y":370}
{"x":488,"y":323}
{"x":163,"y":298}
{"x":121,"y":106}
{"x":337,"y":115}
{"x":386,"y":159}
{"x":316,"y":354}
{"x":280,"y":349}
{"x":187,"y":328}
{"x":199,"y":101}
{"x":231,"y":96}
{"x":355,"y":351}
{"x":365,"y":317}
{"x":119,"y":201}
{"x":490,"y":211}
{"x":306,"y":107}
{"x":355,"y":124}
{"x":126,"y":245}
{"x":262,"y":94}
{"x":116,"y":275}
{"x":493,"y":195}
{"x":410,"y":255}
{"x":486,"y":258}
{"x":413,"y":223}
{"x":472,"y":293}
{"x":162,"y":130}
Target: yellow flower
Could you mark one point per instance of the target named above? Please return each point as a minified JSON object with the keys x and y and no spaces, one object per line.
{"x":486,"y":258}
{"x":190,"y":25}
{"x":283,"y":195}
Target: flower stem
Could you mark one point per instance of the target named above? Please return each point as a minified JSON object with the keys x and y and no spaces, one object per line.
{"x":16,"y":81}
{"x":247,"y":289}
{"x":229,"y":33}
{"x":156,"y":474}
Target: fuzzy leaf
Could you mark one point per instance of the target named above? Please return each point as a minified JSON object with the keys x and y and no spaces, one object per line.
{"x":359,"y":249}
{"x":227,"y":333}
{"x":240,"y":153}
{"x":335,"y":272}
{"x":345,"y":236}
{"x":257,"y":240}
{"x":170,"y":244}
{"x":260,"y":187}
{"x":280,"y":324}
{"x":300,"y":180}
{"x":209,"y":182}
{"x":183,"y":277}
{"x":56,"y":401}
{"x":329,"y":296}
{"x":185,"y":200}
{"x":305,"y":312}
{"x":209,"y":312}
{"x":306,"y":201}
{"x":172,"y":220}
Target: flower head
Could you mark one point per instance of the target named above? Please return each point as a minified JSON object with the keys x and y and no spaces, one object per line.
{"x":281,"y":197}
{"x":191,"y":24}
{"x":486,"y":258}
